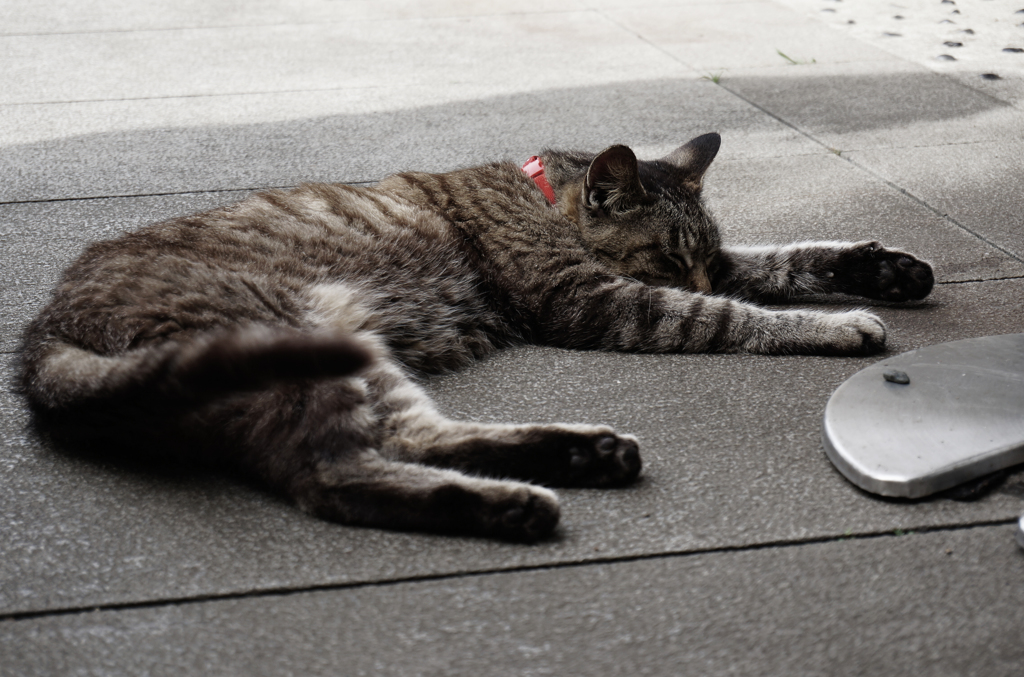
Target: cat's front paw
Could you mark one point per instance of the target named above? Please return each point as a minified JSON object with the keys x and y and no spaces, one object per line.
{"x":521,"y":513}
{"x":852,"y":333}
{"x":805,"y":332}
{"x":875,"y":272}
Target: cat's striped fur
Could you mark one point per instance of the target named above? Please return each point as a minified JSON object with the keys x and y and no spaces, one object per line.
{"x":280,"y":335}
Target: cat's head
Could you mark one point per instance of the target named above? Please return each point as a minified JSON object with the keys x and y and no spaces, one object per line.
{"x":646,"y":220}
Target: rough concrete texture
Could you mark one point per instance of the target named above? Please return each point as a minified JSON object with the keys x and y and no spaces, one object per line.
{"x":854,"y":106}
{"x":740,"y":551}
{"x":836,"y":197}
{"x":319,"y":56}
{"x":25,"y":17}
{"x":714,"y":42}
{"x":970,"y":41}
{"x":984,"y":200}
{"x":891,"y":605}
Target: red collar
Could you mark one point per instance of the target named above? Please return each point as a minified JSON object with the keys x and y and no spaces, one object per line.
{"x":534,"y":168}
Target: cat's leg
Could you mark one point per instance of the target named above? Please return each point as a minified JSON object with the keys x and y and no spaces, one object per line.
{"x":558,"y":455}
{"x":316,"y":442}
{"x":608,"y":312}
{"x":413,"y":431}
{"x":774,"y":274}
{"x":367,"y":490}
{"x":553,"y":454}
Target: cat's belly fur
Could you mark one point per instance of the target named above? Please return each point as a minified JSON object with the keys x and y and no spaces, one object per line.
{"x":319,"y":257}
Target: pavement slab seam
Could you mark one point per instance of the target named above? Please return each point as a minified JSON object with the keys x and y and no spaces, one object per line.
{"x":285,"y":591}
{"x":980,"y":280}
{"x":277,"y":24}
{"x":889,"y":607}
{"x":80,"y":198}
{"x":877,"y":176}
{"x":83,"y":198}
{"x":171,"y":97}
{"x":936,"y":211}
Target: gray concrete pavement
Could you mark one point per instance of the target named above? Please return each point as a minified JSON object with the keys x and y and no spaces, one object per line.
{"x":889,"y":605}
{"x":247,"y":141}
{"x":741,"y":551}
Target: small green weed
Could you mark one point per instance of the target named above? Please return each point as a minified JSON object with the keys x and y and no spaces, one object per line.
{"x":794,"y":61}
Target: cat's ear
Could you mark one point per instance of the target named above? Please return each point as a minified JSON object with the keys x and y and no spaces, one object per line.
{"x":694,"y":158}
{"x":613,"y":181}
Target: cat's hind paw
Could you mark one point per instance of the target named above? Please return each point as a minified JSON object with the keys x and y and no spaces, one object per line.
{"x":525,"y":514}
{"x":602,"y":459}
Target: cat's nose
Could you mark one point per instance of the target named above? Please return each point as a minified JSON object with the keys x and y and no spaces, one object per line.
{"x":699,"y":280}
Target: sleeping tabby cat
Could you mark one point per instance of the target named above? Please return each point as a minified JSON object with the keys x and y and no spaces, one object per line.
{"x":282,"y":335}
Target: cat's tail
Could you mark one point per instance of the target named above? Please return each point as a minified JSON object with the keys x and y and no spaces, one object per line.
{"x":57,"y":376}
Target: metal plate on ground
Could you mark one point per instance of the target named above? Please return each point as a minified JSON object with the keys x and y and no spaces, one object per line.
{"x":958,"y":416}
{"x":1020,"y":531}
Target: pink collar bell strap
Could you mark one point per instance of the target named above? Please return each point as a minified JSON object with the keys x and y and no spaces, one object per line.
{"x":534,"y":168}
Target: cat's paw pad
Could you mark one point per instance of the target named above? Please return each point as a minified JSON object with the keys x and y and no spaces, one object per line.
{"x":527,"y":514}
{"x":604,"y":459}
{"x":890,"y":275}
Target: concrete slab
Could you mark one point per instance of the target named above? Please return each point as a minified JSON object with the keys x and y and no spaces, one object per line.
{"x":877,"y":106}
{"x":964,"y":42}
{"x":732,"y":453}
{"x":29,"y":17}
{"x":825,"y":197}
{"x":977,"y":184}
{"x":941,"y":603}
{"x":23,"y":17}
{"x":645,"y":4}
{"x":144,"y":147}
{"x":1008,"y":89}
{"x":342,"y":55}
{"x":750,"y":35}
